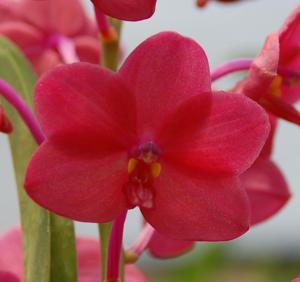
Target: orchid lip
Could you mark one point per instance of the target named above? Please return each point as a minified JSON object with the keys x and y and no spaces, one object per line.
{"x":143,"y":167}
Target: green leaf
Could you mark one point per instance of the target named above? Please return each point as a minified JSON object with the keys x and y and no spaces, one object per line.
{"x":35,"y":221}
{"x":48,"y":240}
{"x":63,"y":251}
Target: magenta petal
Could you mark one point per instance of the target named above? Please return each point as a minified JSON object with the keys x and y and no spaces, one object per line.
{"x":25,"y":36}
{"x":164,"y":247}
{"x":268,"y":147}
{"x":289,"y":37}
{"x":231,"y":140}
{"x":266,"y":188}
{"x":67,"y":18}
{"x":291,"y":93}
{"x":194,"y":207}
{"x":162,"y":72}
{"x":88,"y":259}
{"x":62,"y":182}
{"x":8,"y":11}
{"x":11,"y":254}
{"x":87,"y":49}
{"x":61,"y":16}
{"x":48,"y":59}
{"x":8,"y":277}
{"x":133,"y":274}
{"x":87,"y":106}
{"x":5,"y":124}
{"x":278,"y":107}
{"x":185,"y":125}
{"x":263,"y":70}
{"x":289,"y":53}
{"x":130,"y":10}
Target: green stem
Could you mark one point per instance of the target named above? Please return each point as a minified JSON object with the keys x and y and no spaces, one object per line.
{"x":110,"y":49}
{"x":122,"y":266}
{"x":104,"y":232}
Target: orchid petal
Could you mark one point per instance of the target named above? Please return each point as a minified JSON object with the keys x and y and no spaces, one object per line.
{"x":266,"y":188}
{"x":87,"y":49}
{"x":162,"y":72}
{"x":230,"y":141}
{"x":62,"y":182}
{"x":263,"y":70}
{"x":11,"y":253}
{"x":130,"y":10}
{"x":61,"y":16}
{"x":214,"y":208}
{"x":25,"y":36}
{"x":82,"y":104}
{"x":164,"y":247}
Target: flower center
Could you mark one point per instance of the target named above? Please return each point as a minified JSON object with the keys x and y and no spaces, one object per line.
{"x":142,"y":168}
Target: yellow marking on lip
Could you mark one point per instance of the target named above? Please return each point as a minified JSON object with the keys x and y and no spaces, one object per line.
{"x":132,"y":163}
{"x":155,"y":169}
{"x":275,"y":86}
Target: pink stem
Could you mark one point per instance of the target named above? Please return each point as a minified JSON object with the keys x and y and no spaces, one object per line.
{"x":67,"y":50}
{"x":231,"y":67}
{"x":115,"y":248}
{"x":141,"y":244}
{"x":18,"y":103}
{"x":105,"y":28}
{"x":65,"y":47}
{"x":102,"y":21}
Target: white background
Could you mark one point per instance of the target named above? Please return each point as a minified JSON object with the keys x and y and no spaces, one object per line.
{"x":224,"y":31}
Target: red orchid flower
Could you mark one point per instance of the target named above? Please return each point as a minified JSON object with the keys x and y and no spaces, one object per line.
{"x":274,"y":82}
{"x":130,"y":10}
{"x":39,"y":28}
{"x":5,"y":124}
{"x":264,"y":181}
{"x":152,"y":135}
{"x":274,"y":77}
{"x":297,"y":279}
{"x":88,"y":256}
